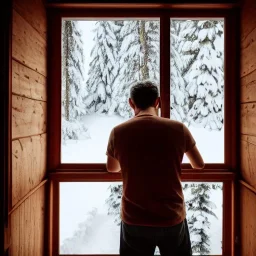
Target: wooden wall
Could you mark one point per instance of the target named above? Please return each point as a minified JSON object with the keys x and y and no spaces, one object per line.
{"x":29,"y":97}
{"x":248,"y":129}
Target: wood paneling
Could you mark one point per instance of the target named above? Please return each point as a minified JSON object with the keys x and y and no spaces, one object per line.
{"x":28,"y":47}
{"x":248,"y":60}
{"x":27,"y":225}
{"x":15,"y":232}
{"x":28,"y":83}
{"x":28,"y":117}
{"x":248,"y":87}
{"x":247,"y":212}
{"x":29,"y":165}
{"x":248,"y":159}
{"x":28,"y":128}
{"x":248,"y":118}
{"x":248,"y":21}
{"x":247,"y":221}
{"x":33,"y":12}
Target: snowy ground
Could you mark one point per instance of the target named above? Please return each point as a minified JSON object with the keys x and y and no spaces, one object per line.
{"x":93,"y":150}
{"x":99,"y":234}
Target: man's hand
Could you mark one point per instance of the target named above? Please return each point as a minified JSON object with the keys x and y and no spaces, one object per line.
{"x":195,"y":158}
{"x":113,"y":164}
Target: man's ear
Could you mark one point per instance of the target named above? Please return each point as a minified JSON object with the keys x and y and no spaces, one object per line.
{"x":132,"y":105}
{"x":158,"y":103}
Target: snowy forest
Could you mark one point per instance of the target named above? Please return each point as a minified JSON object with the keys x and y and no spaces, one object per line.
{"x":97,"y":88}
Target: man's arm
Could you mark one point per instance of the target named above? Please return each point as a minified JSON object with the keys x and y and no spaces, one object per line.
{"x":195,"y":158}
{"x":191,"y":150}
{"x":113,"y":164}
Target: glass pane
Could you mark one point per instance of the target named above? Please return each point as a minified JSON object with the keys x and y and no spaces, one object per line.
{"x":100,"y":61}
{"x":197,"y":82}
{"x":90,"y":217}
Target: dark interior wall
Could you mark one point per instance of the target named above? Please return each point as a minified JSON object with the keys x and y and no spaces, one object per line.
{"x":28,"y":118}
{"x":248,"y":129}
{"x":5,"y":16}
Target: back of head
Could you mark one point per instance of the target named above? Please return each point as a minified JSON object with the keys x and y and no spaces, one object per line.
{"x":144,"y":94}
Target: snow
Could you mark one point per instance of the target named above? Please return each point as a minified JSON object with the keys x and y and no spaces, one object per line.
{"x":102,"y":234}
{"x":93,"y":149}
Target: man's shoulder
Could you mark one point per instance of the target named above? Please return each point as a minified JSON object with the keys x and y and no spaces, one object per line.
{"x":170,"y":121}
{"x":161,"y":120}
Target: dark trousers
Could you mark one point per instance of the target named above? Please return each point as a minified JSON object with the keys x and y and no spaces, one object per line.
{"x":141,"y":240}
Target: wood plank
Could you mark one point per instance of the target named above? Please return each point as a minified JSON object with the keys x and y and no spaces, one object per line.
{"x":248,"y":87}
{"x":37,"y":221}
{"x":15,"y":235}
{"x":40,"y":200}
{"x":28,"y":165}
{"x":34,"y":12}
{"x":28,"y":47}
{"x":248,"y":21}
{"x":28,"y":83}
{"x":248,"y":159}
{"x":248,"y":119}
{"x":28,"y":227}
{"x":248,"y":53}
{"x":247,"y":221}
{"x":28,"y":117}
{"x":22,"y":231}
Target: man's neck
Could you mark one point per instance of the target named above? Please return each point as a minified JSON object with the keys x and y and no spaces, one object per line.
{"x":148,"y":111}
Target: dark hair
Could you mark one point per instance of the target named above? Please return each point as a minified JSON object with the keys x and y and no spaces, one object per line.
{"x":144,"y":94}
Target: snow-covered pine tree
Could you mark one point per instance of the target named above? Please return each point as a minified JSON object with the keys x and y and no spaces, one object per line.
{"x":104,"y":67}
{"x":74,"y":244}
{"x":201,"y":50}
{"x":114,"y":202}
{"x":179,"y":95}
{"x":73,"y":84}
{"x":139,"y":58}
{"x":199,"y":208}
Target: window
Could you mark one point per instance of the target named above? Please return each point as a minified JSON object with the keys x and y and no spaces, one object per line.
{"x":90,"y":225}
{"x":197,"y":82}
{"x":100,"y":61}
{"x":95,"y":56}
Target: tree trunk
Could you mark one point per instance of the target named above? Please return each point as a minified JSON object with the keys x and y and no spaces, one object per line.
{"x":143,"y":41}
{"x":67,"y":93}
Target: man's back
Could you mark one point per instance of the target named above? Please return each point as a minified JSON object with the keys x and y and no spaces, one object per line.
{"x":150,"y":151}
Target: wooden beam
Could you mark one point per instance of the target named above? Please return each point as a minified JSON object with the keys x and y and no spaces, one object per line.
{"x":105,"y":176}
{"x":16,"y":206}
{"x":252,"y":189}
{"x":140,"y":5}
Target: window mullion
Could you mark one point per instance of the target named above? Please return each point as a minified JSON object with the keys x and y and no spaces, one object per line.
{"x":165,"y":65}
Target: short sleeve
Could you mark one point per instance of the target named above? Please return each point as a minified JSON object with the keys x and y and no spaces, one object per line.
{"x":111,"y":146}
{"x":188,"y":139}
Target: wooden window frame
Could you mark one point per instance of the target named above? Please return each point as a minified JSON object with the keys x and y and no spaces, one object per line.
{"x":97,"y":172}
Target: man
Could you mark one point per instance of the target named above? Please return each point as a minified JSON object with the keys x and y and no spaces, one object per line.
{"x":148,"y":150}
